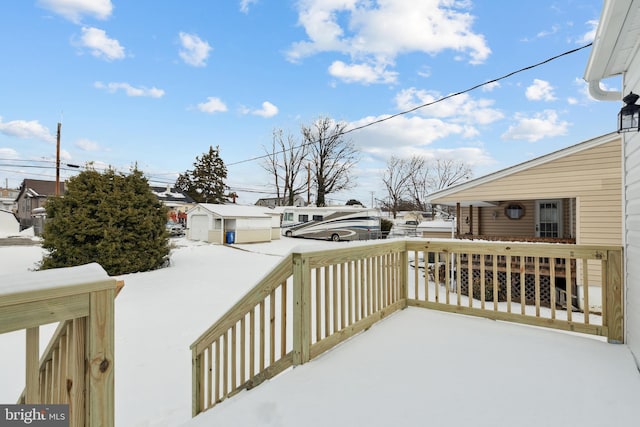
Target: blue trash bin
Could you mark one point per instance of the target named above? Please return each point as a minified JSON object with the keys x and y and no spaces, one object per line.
{"x":231,"y":237}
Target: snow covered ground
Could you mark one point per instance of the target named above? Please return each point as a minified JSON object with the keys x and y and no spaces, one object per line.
{"x":417,"y":367}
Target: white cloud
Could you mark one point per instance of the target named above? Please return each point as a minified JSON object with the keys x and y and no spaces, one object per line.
{"x":87,"y":145}
{"x":213,"y":105}
{"x":407,"y":136}
{"x":100,"y":45}
{"x":403,"y":133}
{"x":380,"y":31}
{"x":541,"y":125}
{"x":489,"y":87}
{"x":195,"y":51}
{"x":8,"y":153}
{"x":545,"y":33}
{"x":73,"y":10}
{"x":244,"y":5}
{"x":540,"y":90}
{"x":65,"y":155}
{"x":460,"y":108}
{"x":267,"y":110}
{"x":590,"y":35}
{"x":24,"y":129}
{"x":362,"y":73}
{"x":130,"y":90}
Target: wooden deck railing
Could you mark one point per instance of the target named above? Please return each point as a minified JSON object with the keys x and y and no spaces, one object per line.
{"x":311,"y":301}
{"x":517,"y":294}
{"x":76,"y":368}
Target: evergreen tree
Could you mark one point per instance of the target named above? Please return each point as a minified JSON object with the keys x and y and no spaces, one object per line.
{"x":205,"y":183}
{"x":112,"y":219}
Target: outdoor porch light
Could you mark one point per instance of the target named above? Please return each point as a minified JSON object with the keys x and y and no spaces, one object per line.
{"x":629,"y":116}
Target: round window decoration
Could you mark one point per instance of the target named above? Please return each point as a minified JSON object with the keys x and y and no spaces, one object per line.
{"x":514,"y":211}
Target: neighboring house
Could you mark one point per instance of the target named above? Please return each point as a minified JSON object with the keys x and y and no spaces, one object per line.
{"x":8,"y":198}
{"x":216,"y":223}
{"x":177,"y":201}
{"x":573,"y":195}
{"x":272,"y":202}
{"x":32,"y":196}
{"x":615,"y":52}
{"x":9,"y":225}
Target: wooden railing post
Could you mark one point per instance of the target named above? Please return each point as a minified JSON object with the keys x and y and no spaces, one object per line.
{"x":614,"y":308}
{"x":404,"y":275}
{"x":197,"y":399}
{"x":77,"y":385}
{"x":100,"y":372}
{"x":32,"y":385}
{"x":301,"y":309}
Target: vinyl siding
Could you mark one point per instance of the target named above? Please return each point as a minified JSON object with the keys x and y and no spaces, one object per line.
{"x":632,"y":220}
{"x":593,"y":177}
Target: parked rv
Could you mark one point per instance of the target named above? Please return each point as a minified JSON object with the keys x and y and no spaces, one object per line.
{"x":331,"y":223}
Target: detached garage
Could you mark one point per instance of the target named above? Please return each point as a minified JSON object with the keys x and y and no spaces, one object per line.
{"x":232,"y":224}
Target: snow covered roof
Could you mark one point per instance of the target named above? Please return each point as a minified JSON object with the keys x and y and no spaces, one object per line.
{"x":171,"y":194}
{"x":234,"y":210}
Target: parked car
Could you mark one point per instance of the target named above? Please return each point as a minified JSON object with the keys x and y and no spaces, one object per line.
{"x":175,"y":229}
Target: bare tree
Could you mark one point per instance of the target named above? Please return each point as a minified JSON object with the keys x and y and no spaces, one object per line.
{"x":331,"y":155}
{"x":416,"y":178}
{"x":398,"y":178}
{"x":419,"y":187}
{"x":446,"y":173}
{"x":284,"y":162}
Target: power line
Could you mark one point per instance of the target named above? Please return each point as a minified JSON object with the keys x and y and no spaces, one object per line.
{"x":444,"y":98}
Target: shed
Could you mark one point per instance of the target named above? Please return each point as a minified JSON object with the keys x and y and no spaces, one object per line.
{"x":248,"y":224}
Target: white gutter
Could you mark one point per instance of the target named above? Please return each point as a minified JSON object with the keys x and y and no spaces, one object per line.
{"x":612,"y":18}
{"x":603,"y":95}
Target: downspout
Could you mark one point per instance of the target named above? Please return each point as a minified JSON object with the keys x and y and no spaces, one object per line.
{"x":603,"y":95}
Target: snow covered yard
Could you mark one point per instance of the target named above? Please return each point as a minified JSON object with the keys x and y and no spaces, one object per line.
{"x":417,"y":367}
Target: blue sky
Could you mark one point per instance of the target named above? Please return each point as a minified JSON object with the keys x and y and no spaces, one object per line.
{"x":155,"y":83}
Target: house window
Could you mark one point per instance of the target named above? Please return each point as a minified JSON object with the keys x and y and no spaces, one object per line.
{"x":514,"y":211}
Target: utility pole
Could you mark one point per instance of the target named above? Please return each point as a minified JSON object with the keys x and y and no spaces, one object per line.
{"x":58,"y":160}
{"x":308,"y":184}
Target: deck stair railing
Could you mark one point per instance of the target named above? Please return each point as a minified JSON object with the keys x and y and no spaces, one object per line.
{"x":77,"y":366}
{"x":312,"y":301}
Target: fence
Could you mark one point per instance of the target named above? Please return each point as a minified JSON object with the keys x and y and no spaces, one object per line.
{"x":312,"y":301}
{"x":76,"y":368}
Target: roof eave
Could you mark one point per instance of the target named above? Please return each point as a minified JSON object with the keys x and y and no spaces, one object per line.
{"x":616,"y":36}
{"x":447,"y":193}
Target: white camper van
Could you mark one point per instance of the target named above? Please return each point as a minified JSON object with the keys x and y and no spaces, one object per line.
{"x":331,"y":223}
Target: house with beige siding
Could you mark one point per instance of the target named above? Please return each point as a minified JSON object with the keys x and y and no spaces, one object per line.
{"x":615,"y":53}
{"x":573,"y":195}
